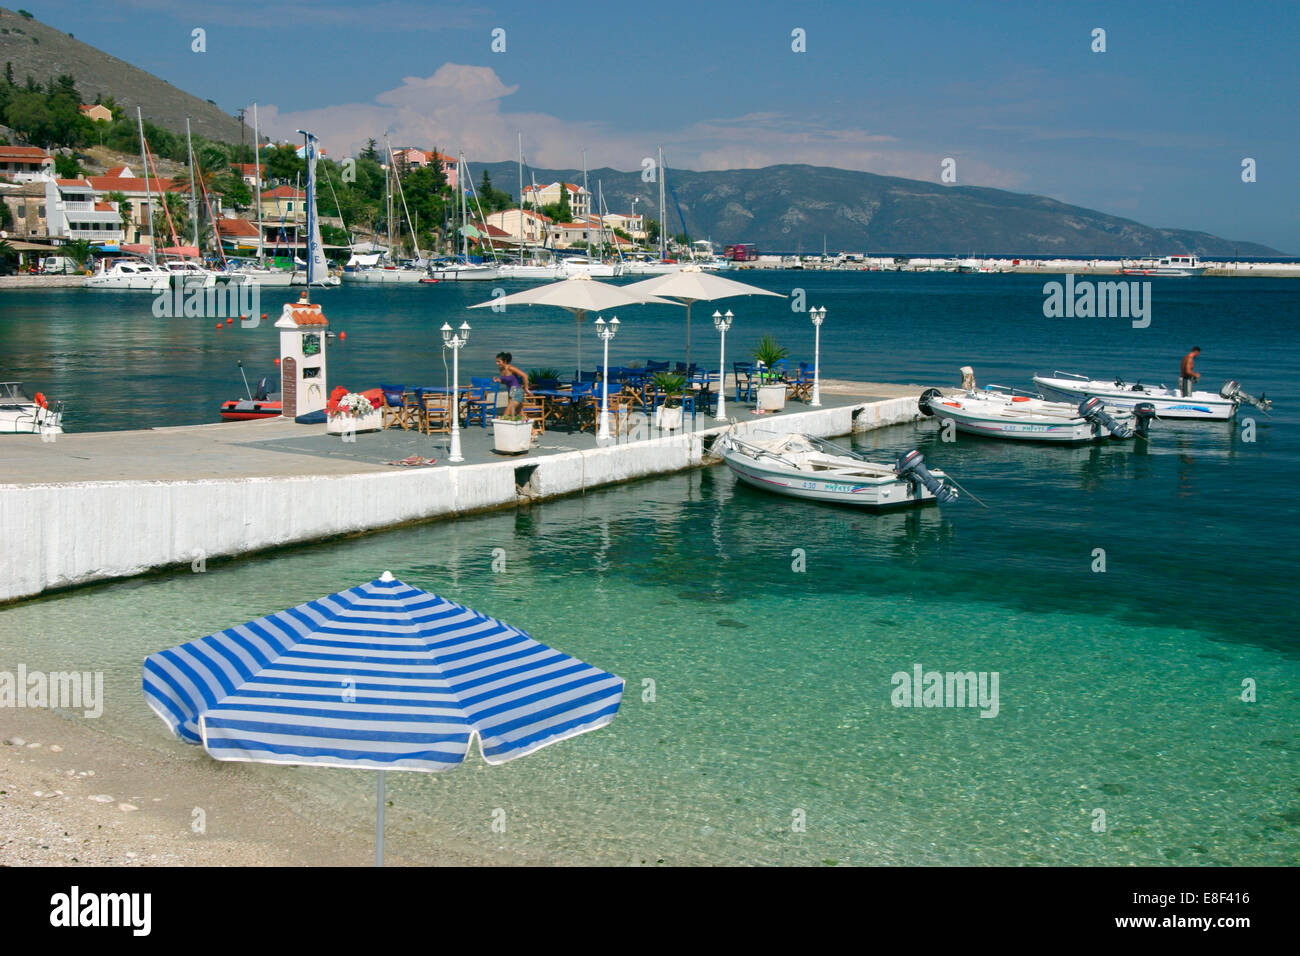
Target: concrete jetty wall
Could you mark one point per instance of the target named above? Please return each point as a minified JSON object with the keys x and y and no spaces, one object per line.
{"x":58,"y":535}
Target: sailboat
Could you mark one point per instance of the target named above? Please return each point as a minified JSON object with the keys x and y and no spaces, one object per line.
{"x":463,"y":270}
{"x":664,"y":265}
{"x":132,"y":274}
{"x":259,"y":272}
{"x":317,"y":271}
{"x":527,"y":269}
{"x":384,"y":270}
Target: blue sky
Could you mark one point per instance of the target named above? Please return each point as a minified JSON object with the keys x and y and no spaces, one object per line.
{"x":1154,"y":129}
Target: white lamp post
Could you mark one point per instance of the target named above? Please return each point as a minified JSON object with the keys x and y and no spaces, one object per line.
{"x":606,"y":331}
{"x":818,"y":317}
{"x":455,"y":340}
{"x":722,"y":323}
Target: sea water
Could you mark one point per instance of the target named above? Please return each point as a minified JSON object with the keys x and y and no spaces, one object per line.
{"x":1136,"y":602}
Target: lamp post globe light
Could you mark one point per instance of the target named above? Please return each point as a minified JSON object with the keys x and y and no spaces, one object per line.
{"x":455,"y":340}
{"x":818,"y":317}
{"x":722,"y":323}
{"x":606,"y":331}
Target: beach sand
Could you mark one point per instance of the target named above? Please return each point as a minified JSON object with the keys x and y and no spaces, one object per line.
{"x":73,"y":796}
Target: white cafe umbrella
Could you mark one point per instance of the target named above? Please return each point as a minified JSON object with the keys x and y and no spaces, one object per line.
{"x":580,"y":294}
{"x":692,"y":284}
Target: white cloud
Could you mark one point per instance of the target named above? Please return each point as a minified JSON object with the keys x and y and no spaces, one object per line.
{"x":462,"y":107}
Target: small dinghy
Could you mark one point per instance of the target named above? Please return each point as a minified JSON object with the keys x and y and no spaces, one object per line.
{"x":805,"y":467}
{"x":1000,"y":412}
{"x":23,"y":415}
{"x":261,"y":405}
{"x":1168,"y":402}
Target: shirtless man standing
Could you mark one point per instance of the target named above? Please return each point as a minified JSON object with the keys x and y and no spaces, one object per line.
{"x":1187,"y":374}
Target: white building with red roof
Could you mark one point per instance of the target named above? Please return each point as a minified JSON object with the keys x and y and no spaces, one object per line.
{"x":73,"y":210}
{"x":25,"y":164}
{"x":410,"y":157}
{"x":539,"y":196}
{"x":526,"y":226}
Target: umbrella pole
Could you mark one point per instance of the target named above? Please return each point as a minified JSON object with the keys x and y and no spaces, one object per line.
{"x":379,"y":821}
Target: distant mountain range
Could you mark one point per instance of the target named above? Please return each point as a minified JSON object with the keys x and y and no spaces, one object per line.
{"x":42,"y":52}
{"x":790,"y":207}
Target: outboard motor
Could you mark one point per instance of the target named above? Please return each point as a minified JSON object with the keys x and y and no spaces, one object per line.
{"x":1094,"y":410}
{"x":923,"y":403}
{"x":911,"y":466}
{"x":1143,"y":413}
{"x":260,"y":394}
{"x":1232,"y":392}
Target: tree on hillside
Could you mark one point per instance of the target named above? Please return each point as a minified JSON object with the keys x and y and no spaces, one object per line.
{"x":282,"y":162}
{"x":370,"y":152}
{"x":67,"y":167}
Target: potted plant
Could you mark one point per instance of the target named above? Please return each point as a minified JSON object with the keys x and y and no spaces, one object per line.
{"x":353,"y":413}
{"x":669,"y":414}
{"x":771,"y":392}
{"x":511,"y":435}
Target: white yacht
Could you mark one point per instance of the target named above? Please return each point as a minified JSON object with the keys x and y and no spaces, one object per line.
{"x":186,"y":274}
{"x":530,"y":271}
{"x":582,"y":265}
{"x":135,"y":275}
{"x":463,"y":272}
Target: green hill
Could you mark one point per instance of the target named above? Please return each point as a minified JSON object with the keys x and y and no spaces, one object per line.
{"x":41,"y":52}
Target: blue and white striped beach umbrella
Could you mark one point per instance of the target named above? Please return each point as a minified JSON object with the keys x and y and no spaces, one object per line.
{"x":383,"y":676}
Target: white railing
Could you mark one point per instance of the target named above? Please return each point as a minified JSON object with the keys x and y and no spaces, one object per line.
{"x":95,"y":233}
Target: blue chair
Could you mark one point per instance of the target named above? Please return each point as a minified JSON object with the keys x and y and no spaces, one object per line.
{"x":744,"y":372}
{"x":481,"y":400}
{"x":393,"y":411}
{"x":705,"y":396}
{"x":652,"y":366}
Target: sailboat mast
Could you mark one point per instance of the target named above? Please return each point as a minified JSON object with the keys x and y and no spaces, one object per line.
{"x":521,"y":197}
{"x":586,"y":193}
{"x":464,"y":232}
{"x":257,"y":178}
{"x":148,"y":197}
{"x":194,"y":216}
{"x":663,"y":217}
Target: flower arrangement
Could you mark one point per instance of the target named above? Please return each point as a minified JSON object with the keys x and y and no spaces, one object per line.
{"x":352,"y":405}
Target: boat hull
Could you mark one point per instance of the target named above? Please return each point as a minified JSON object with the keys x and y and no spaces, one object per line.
{"x":872,"y":495}
{"x":1168,"y":402}
{"x":244,"y":411}
{"x":1001,"y":420}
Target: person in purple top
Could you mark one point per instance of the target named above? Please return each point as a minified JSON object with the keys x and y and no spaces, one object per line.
{"x":516,"y":382}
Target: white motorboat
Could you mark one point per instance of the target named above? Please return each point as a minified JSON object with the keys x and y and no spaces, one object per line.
{"x":1168,"y":402}
{"x":188,"y":275}
{"x":463,"y":272}
{"x":133,"y":275}
{"x":802,"y":466}
{"x":645,"y":267}
{"x":1166,"y":266}
{"x":24,"y":415}
{"x":530,"y":272}
{"x":999,"y":412}
{"x":582,"y":265}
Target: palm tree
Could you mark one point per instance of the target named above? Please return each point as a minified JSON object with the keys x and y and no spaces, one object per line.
{"x":78,"y":250}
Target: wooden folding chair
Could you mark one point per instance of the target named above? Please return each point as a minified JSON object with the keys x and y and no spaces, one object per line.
{"x":534,"y":410}
{"x":436,"y":414}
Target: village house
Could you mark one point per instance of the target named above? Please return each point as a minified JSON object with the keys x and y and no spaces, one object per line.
{"x":284,"y":202}
{"x":25,"y":164}
{"x":408,"y":157}
{"x":73,"y":211}
{"x":248,"y":173}
{"x":526,"y":226}
{"x":27,"y":210}
{"x":97,"y":112}
{"x":540,"y":196}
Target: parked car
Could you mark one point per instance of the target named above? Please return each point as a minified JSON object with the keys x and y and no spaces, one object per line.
{"x":59,"y":265}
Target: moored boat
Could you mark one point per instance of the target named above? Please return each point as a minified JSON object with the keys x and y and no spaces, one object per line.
{"x":263,"y":404}
{"x":999,"y":412}
{"x":801,"y":466}
{"x":1166,"y":266}
{"x":1168,"y":402}
{"x":24,"y":415}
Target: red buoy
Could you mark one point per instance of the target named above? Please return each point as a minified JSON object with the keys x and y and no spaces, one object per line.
{"x":229,"y":321}
{"x":277,"y":361}
{"x":342,"y":336}
{"x":219,"y":326}
{"x":263,"y":315}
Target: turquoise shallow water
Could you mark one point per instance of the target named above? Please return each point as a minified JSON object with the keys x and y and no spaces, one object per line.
{"x":1118,"y":691}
